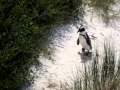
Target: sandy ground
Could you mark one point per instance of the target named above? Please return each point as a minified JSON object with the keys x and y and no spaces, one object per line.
{"x":67,"y":54}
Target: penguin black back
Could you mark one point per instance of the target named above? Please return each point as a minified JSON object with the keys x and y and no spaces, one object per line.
{"x":88,"y":41}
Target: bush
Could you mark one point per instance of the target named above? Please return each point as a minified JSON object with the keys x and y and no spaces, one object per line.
{"x":22,"y":26}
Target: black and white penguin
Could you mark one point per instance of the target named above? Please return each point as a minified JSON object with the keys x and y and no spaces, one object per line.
{"x":84,"y":40}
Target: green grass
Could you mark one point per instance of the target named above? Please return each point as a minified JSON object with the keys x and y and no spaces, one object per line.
{"x":102,"y":73}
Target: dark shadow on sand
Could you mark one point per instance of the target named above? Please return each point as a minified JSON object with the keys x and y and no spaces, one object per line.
{"x":85,"y":58}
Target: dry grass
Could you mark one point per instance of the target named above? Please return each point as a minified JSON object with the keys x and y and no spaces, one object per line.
{"x":101,"y":74}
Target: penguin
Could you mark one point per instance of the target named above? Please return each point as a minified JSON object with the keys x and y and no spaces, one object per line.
{"x":84,"y":40}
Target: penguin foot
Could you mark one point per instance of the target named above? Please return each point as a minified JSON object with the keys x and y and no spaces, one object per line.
{"x":83,"y":50}
{"x":87,"y":53}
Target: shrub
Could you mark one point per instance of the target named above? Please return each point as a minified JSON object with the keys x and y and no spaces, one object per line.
{"x":22,"y":27}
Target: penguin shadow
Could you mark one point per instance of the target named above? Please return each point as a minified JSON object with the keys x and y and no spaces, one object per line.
{"x":85,"y":57}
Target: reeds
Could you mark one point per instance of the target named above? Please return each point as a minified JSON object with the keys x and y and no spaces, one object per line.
{"x":102,"y":73}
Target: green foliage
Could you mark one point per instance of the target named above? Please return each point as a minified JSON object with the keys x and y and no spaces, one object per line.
{"x":22,"y":25}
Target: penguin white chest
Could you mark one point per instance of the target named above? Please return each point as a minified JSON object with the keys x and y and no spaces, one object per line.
{"x":83,"y":42}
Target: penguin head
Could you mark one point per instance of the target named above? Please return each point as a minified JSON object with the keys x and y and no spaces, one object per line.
{"x":81,"y":30}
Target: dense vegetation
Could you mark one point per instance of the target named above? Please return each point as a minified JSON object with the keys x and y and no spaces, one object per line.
{"x":22,"y":26}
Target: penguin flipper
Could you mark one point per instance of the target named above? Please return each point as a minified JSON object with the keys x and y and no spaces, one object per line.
{"x":89,"y":41}
{"x":78,"y":41}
